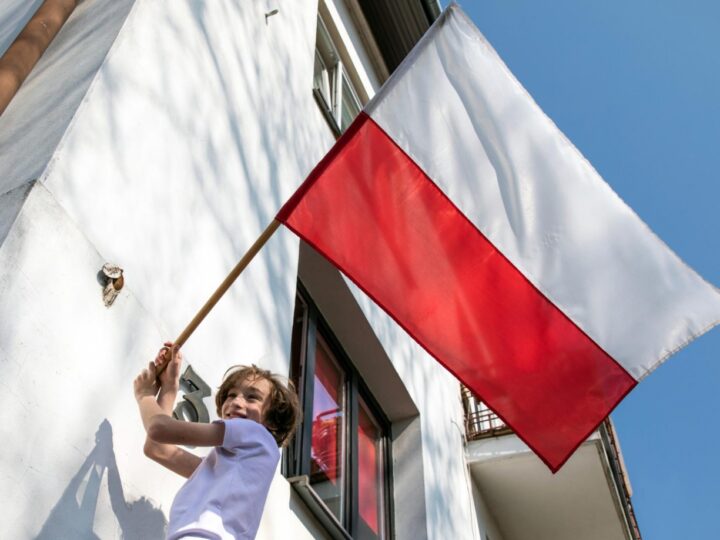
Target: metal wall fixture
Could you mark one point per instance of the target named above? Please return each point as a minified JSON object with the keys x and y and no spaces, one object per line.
{"x":111,"y":277}
{"x":270,"y":14}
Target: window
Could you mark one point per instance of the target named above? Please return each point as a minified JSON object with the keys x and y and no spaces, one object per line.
{"x":332,"y":85}
{"x":342,"y":449}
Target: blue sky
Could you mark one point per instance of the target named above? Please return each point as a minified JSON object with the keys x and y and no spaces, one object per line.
{"x":636,"y":86}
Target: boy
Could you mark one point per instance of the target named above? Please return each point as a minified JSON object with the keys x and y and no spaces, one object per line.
{"x":226,"y":491}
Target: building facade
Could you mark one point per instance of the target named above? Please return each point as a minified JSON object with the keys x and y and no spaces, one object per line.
{"x":161,"y":137}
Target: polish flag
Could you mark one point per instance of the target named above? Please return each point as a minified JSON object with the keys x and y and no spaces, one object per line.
{"x":462,"y":210}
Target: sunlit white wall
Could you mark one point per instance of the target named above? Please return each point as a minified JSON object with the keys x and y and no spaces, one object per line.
{"x":199,"y":123}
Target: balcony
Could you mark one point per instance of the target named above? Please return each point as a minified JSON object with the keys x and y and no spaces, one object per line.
{"x":588,"y":498}
{"x":480,"y":422}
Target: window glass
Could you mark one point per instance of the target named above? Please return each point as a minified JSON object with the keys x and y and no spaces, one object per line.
{"x":327,"y":474}
{"x":370,"y":474}
{"x":327,"y":63}
{"x":321,"y":79}
{"x":333,"y":87}
{"x":343,"y":444}
{"x":350,"y":104}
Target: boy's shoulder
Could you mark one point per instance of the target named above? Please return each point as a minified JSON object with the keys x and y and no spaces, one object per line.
{"x":242,"y":432}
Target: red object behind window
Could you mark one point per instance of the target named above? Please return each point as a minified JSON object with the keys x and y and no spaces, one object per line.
{"x":327,"y":475}
{"x":369,"y":470}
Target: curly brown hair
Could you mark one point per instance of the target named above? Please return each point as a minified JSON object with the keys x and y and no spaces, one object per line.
{"x":283,"y":415}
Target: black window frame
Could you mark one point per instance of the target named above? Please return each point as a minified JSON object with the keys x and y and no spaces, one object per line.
{"x":296,"y":457}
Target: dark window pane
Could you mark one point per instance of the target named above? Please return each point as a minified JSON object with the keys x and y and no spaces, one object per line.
{"x":297,"y":343}
{"x":370,"y":474}
{"x":327,"y":474}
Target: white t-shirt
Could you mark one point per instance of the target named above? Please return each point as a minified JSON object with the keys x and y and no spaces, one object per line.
{"x":225,"y":496}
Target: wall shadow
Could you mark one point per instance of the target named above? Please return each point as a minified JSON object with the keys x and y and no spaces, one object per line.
{"x":74,"y":514}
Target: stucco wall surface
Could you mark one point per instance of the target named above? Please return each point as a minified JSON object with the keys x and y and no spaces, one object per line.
{"x":68,"y":431}
{"x":10,"y":205}
{"x":485,"y":516}
{"x":191,"y":133}
{"x":194,"y":131}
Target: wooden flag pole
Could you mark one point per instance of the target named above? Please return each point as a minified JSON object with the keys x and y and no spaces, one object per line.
{"x":222,"y":289}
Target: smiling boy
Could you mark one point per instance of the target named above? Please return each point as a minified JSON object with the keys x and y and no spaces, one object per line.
{"x":226,"y":491}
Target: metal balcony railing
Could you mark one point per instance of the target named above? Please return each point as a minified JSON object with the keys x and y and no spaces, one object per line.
{"x":480,"y":422}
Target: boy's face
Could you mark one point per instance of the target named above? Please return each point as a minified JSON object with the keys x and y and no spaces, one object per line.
{"x":249,"y":398}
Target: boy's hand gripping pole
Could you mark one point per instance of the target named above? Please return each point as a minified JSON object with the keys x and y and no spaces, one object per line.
{"x":220,"y":291}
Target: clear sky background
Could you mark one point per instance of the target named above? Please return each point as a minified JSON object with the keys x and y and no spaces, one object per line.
{"x":635,"y":84}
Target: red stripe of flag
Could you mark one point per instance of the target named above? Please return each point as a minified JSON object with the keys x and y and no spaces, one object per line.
{"x":370,"y":210}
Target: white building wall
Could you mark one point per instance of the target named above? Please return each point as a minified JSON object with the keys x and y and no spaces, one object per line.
{"x":489,"y":528}
{"x":67,"y":363}
{"x":197,"y":127}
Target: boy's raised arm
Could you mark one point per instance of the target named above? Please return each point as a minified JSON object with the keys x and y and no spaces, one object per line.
{"x":169,"y":378}
{"x":163,"y":431}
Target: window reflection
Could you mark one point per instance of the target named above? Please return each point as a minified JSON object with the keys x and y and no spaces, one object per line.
{"x":343,"y":446}
{"x":332,"y":83}
{"x":370,"y":474}
{"x":327,"y":473}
